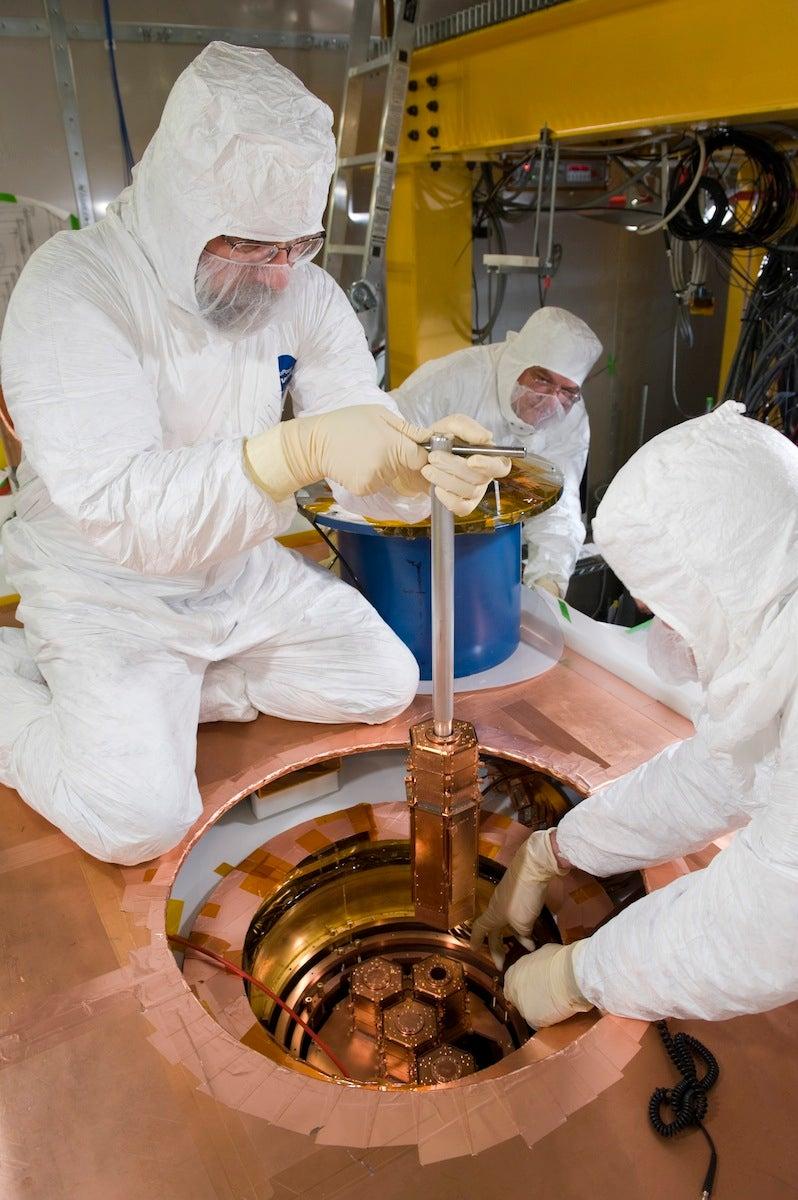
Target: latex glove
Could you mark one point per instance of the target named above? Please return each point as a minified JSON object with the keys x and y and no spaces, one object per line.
{"x":460,"y":483}
{"x":549,"y":585}
{"x":543,"y":986}
{"x":518,"y":896}
{"x":364,"y":448}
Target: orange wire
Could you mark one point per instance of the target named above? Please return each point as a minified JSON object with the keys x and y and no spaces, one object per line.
{"x":234,"y":970}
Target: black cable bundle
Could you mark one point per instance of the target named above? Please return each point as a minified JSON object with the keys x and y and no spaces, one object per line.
{"x":488,"y":213}
{"x":764,"y":371}
{"x":761,"y":215}
{"x":124,"y":137}
{"x":688,"y":1099}
{"x":710,"y":214}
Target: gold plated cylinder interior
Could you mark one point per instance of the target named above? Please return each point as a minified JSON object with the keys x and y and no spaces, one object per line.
{"x":398,"y":1000}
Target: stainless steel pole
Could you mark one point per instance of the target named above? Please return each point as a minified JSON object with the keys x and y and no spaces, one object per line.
{"x":489,"y":451}
{"x":544,"y":142}
{"x":643,"y":410}
{"x":442,"y":532}
{"x":552,"y":207}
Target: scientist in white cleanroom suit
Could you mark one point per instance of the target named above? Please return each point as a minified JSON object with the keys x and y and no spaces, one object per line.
{"x":528,"y":389}
{"x":702,"y":527}
{"x":144,"y":362}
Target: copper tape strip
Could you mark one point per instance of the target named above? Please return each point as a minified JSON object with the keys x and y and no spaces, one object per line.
{"x":38,"y":850}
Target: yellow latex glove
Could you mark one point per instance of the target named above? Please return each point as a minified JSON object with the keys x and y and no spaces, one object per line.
{"x":543,"y":986}
{"x":460,"y":483}
{"x":518,"y":896}
{"x":366,"y":448}
{"x":549,"y":585}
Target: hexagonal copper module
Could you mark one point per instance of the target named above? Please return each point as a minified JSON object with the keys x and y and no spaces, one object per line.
{"x":375,"y":985}
{"x":441,"y":981}
{"x":410,"y":1029}
{"x":445,"y":1064}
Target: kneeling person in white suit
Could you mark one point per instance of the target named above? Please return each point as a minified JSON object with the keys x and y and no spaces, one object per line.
{"x":688,"y":525}
{"x":144,"y":362}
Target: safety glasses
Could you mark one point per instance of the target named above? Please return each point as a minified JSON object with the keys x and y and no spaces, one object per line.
{"x":544,"y":386}
{"x":244,"y":250}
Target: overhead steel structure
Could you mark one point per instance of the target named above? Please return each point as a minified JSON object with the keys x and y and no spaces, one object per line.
{"x":586,"y":69}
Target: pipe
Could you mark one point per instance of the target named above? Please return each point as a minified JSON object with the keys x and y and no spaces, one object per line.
{"x":490,"y":451}
{"x":544,"y":141}
{"x":552,"y":205}
{"x":442,"y":550}
{"x":643,"y":411}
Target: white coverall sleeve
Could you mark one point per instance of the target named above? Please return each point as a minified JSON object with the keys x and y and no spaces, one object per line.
{"x":672,"y":805}
{"x":556,"y":536}
{"x":335,"y":369}
{"x":712,"y":944}
{"x":461,"y":382}
{"x":88,"y":420}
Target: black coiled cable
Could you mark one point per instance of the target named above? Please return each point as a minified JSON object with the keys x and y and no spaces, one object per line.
{"x":688,"y":1099}
{"x":770,"y":212}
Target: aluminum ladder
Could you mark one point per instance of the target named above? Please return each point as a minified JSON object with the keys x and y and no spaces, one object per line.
{"x":357,"y":263}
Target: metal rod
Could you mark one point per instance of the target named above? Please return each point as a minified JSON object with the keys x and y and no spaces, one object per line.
{"x":491,"y":451}
{"x":552,"y":206}
{"x":643,"y":410}
{"x":544,"y":138}
{"x":442,"y":549}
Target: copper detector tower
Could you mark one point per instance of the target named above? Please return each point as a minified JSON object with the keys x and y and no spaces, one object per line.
{"x":442,"y":786}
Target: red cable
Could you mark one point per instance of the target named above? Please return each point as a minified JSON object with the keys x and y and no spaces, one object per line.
{"x":234,"y":970}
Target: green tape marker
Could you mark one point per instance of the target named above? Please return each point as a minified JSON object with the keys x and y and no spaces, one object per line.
{"x":642,"y":625}
{"x":74,"y":223}
{"x":8,"y":198}
{"x":564,"y":611}
{"x":612,"y":366}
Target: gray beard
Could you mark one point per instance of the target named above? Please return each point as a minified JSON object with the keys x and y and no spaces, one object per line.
{"x":237,"y":306}
{"x":239,"y":315}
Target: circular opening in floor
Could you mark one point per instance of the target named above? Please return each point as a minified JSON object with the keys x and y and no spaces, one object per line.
{"x":318,"y":910}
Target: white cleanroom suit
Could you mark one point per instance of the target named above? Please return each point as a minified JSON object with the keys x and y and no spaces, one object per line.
{"x":153,"y":592}
{"x":479,"y":382}
{"x":702,"y":526}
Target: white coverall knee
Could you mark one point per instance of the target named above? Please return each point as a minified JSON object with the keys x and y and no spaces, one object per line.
{"x":105,"y":742}
{"x":143,"y":552}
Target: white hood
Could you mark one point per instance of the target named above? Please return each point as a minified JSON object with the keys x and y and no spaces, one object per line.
{"x":552,"y":338}
{"x":243,"y":148}
{"x":702,"y":526}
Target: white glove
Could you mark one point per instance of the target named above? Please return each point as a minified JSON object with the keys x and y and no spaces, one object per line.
{"x":364,"y":448}
{"x":460,"y":483}
{"x":543,"y":986}
{"x":518,"y":896}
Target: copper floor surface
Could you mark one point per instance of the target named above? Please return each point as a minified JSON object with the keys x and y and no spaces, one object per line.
{"x":92,"y":1109}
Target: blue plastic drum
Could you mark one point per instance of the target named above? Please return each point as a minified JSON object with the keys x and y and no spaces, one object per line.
{"x":393,"y":573}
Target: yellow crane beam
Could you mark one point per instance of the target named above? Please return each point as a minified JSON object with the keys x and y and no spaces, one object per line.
{"x":588,"y":69}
